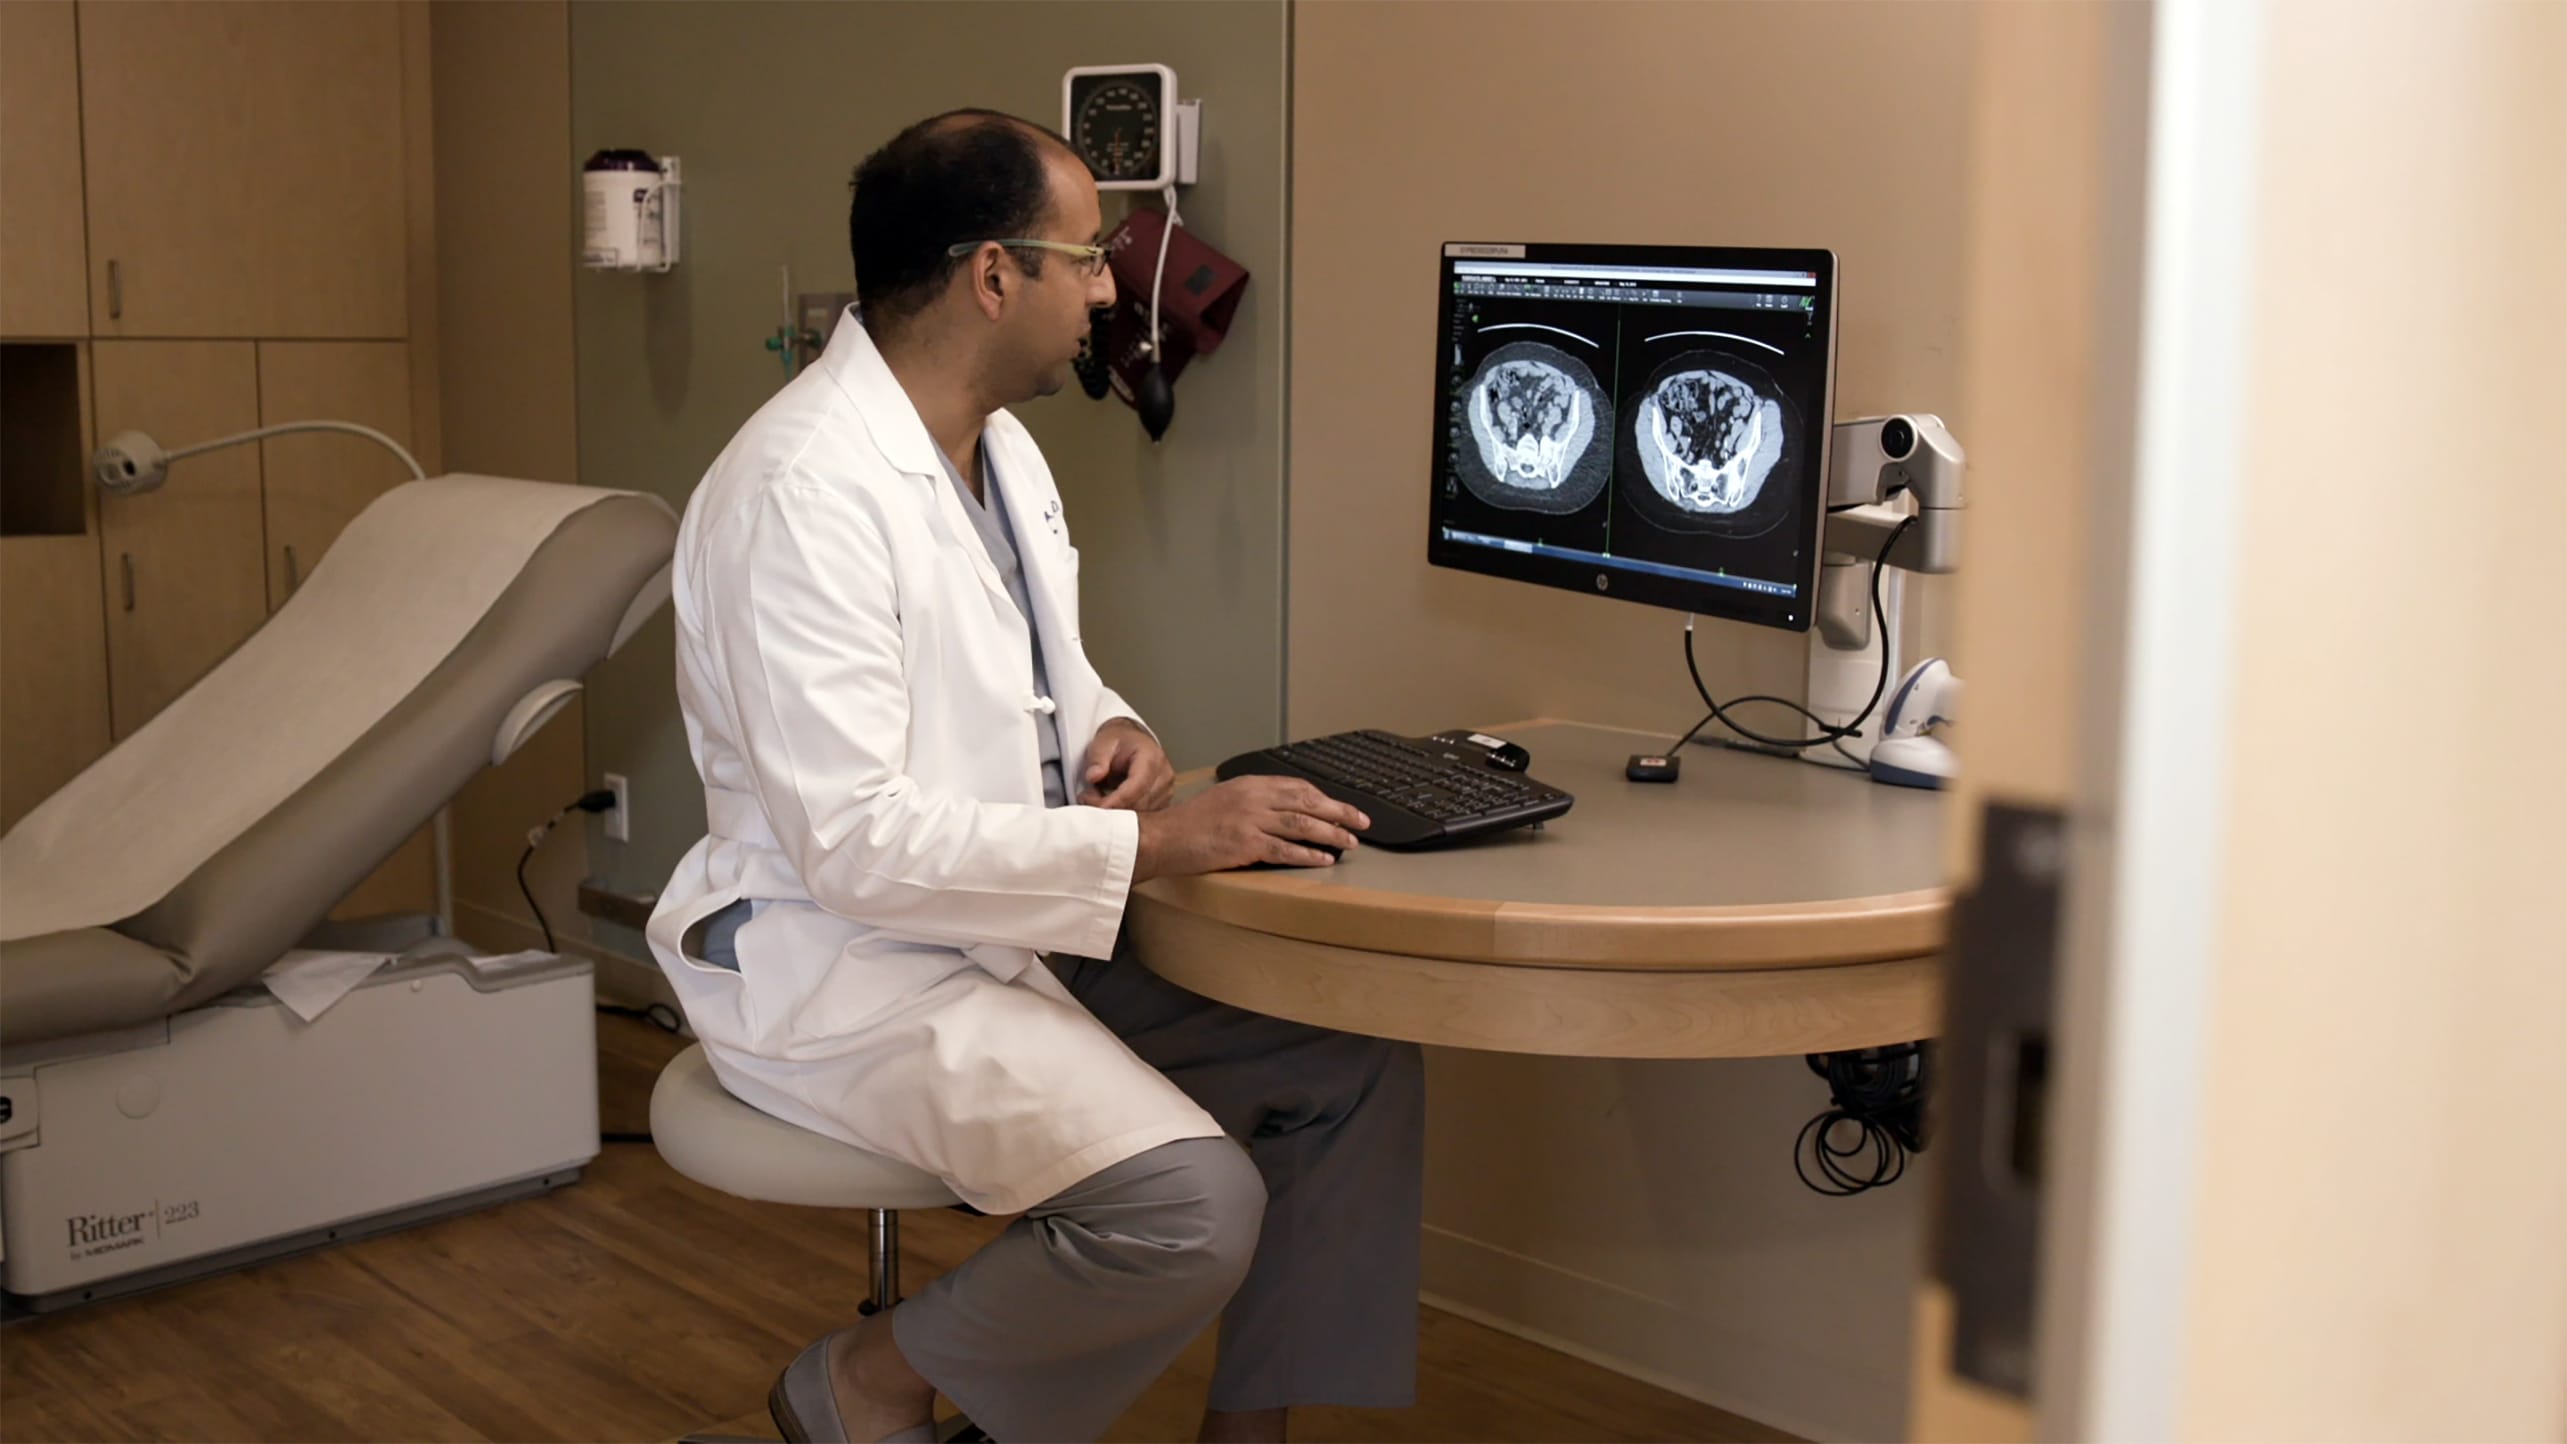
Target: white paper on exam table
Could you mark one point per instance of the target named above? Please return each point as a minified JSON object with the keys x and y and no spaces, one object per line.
{"x":309,"y":980}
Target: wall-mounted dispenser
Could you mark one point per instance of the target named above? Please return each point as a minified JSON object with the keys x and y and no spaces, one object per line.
{"x":629,"y":211}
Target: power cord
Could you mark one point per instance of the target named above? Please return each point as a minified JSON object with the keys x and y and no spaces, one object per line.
{"x":1829,"y":734}
{"x":658,"y":1015}
{"x":1880,"y":1094}
{"x":599,"y":801}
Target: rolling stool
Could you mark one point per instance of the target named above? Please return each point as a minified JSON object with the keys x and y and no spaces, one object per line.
{"x":723,"y":1143}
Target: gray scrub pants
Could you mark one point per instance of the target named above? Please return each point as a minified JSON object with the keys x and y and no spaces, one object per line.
{"x":1300,"y":1230}
{"x":1302,"y":1234}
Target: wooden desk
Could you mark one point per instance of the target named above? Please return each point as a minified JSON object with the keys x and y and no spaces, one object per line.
{"x":1756,"y":907}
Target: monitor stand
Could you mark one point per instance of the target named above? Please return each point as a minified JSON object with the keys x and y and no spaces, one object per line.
{"x":1845,"y":653}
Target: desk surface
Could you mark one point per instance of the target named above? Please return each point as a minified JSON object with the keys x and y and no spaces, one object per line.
{"x":1755,"y":907}
{"x":1747,"y":861}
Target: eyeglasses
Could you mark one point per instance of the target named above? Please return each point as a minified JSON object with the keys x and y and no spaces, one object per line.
{"x":1091,"y":258}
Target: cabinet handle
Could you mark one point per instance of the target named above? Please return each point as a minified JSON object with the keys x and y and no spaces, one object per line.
{"x":115,"y":290}
{"x":128,"y":559}
{"x":293,"y":574}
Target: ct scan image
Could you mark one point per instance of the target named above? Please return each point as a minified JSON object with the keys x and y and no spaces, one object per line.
{"x":1717,"y":447}
{"x":1537,"y":417}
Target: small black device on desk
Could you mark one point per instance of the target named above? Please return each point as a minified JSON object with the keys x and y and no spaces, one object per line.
{"x":1419,"y":791}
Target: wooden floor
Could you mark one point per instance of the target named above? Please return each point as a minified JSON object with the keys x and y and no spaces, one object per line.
{"x":636,"y":1305}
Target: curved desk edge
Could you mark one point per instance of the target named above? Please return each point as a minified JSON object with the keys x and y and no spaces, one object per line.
{"x":1585,"y":1011}
{"x":1825,"y":933}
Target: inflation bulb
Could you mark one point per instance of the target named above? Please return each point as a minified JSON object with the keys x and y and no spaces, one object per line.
{"x":1156,"y":400}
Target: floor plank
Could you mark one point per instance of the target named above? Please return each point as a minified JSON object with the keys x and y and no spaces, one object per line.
{"x":637,"y":1305}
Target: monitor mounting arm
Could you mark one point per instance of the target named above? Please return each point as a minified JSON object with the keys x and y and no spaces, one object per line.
{"x":1883,"y":471}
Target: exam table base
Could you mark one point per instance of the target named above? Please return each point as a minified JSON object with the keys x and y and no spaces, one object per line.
{"x":14,"y":1308}
{"x":236,"y":1132}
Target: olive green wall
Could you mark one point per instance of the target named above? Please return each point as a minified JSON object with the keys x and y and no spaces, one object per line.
{"x":770,"y":107}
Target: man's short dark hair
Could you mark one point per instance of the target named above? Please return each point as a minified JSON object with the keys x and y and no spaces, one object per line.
{"x":966,"y":175}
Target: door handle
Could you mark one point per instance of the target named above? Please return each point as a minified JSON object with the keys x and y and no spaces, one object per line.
{"x":128,"y":559}
{"x":1997,"y":1033}
{"x":293,"y":574}
{"x":115,"y":290}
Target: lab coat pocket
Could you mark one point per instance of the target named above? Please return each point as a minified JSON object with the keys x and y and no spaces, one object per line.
{"x":716,"y":999}
{"x":682,"y":934}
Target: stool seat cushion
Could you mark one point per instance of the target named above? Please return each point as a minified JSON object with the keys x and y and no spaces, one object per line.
{"x":723,"y":1143}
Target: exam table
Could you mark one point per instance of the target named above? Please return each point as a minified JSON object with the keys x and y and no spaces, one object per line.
{"x":161,"y":1114}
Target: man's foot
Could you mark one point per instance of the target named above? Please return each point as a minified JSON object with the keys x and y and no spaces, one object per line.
{"x":853,"y":1387}
{"x":879,"y":1395}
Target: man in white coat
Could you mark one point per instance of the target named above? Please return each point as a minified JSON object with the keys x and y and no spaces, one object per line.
{"x":925,"y":812}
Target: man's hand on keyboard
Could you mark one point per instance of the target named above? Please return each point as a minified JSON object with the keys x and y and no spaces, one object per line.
{"x":1243,"y":821}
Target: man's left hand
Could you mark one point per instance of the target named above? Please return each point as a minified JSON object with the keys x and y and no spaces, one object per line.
{"x":1126,"y":768}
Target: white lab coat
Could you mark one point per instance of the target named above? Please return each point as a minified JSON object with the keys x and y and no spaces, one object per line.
{"x":858,"y":693}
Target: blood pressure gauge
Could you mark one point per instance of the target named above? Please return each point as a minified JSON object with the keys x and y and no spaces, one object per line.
{"x":1123,"y":121}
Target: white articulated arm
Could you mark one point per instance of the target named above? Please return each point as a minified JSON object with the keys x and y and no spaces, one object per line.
{"x":1874,"y":460}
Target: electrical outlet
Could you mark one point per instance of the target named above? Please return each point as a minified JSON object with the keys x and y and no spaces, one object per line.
{"x":619,"y":820}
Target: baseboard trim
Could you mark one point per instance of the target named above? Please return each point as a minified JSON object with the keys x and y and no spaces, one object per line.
{"x":1635,"y":1335}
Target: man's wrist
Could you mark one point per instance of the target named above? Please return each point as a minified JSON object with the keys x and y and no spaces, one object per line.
{"x":1145,"y":852}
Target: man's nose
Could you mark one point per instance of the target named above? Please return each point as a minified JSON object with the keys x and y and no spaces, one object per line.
{"x":1100,"y":289}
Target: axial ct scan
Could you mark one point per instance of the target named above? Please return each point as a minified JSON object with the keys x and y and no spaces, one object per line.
{"x":1535,"y":414}
{"x":1708,"y":441}
{"x":1712,"y":436}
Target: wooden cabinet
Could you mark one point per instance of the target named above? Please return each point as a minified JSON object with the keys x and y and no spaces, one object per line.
{"x":213,"y":217}
{"x":186,"y":579}
{"x":317,"y":483}
{"x":43,"y":270}
{"x":53,"y":638}
{"x":245,"y":167}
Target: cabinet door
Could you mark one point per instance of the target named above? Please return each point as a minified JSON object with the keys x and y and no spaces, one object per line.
{"x":186,"y":579}
{"x":245,"y":168}
{"x":53,"y":637}
{"x":317,"y":483}
{"x":43,"y":274}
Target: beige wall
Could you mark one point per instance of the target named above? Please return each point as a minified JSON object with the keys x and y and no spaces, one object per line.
{"x":1645,"y":1213}
{"x":1842,"y":126}
{"x":2381,"y":1248}
{"x":771,"y":106}
{"x":503,"y":248}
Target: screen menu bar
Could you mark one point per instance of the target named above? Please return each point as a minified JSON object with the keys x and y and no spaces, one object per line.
{"x":1627,"y":293}
{"x":1674,"y":275}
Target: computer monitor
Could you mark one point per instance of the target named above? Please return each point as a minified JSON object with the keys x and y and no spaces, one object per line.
{"x":1648,"y":422}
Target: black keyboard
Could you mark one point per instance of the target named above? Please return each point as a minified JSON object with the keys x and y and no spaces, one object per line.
{"x":1419,"y":791}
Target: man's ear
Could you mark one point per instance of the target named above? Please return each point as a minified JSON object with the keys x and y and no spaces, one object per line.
{"x":995,"y":279}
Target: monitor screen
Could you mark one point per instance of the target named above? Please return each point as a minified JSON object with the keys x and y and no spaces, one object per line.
{"x":1648,"y":422}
